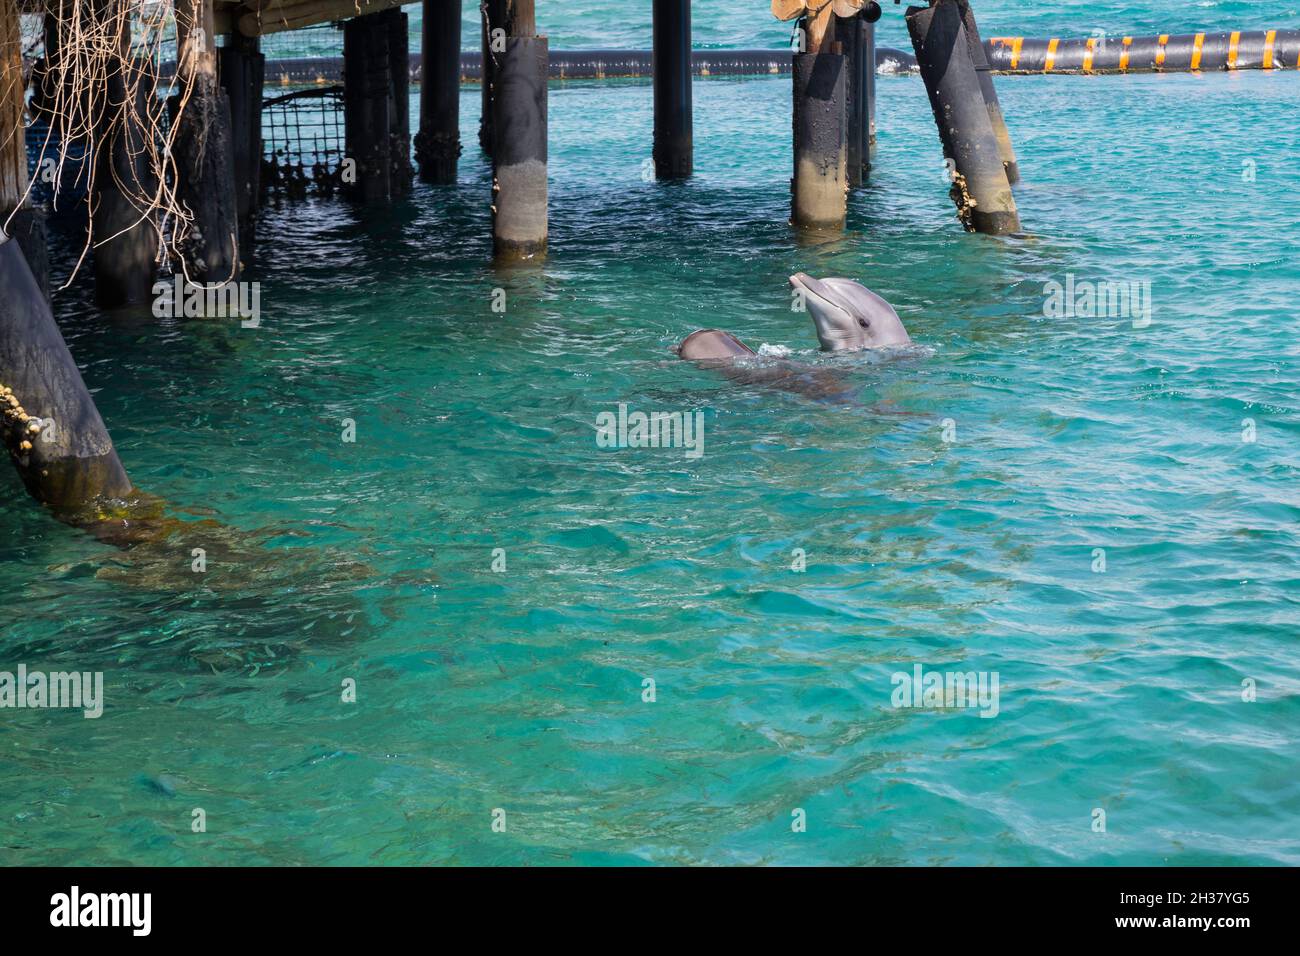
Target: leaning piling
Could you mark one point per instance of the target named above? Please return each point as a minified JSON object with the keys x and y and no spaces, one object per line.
{"x":982,"y":69}
{"x":980,"y":188}
{"x":49,"y":423}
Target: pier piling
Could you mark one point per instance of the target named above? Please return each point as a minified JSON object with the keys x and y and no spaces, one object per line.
{"x":437,"y":146}
{"x":820,"y":141}
{"x":673,"y":122}
{"x":123,"y":232}
{"x":867,"y":41}
{"x":858,"y":39}
{"x":519,"y":154}
{"x":18,"y":217}
{"x":850,"y":40}
{"x":242,"y":69}
{"x":375,"y":113}
{"x":978,"y":55}
{"x":980,"y":186}
{"x":48,"y":421}
{"x":204,"y":151}
{"x":493,"y":13}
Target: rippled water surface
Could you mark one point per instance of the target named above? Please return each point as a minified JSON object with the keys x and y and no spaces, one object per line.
{"x":475,"y":431}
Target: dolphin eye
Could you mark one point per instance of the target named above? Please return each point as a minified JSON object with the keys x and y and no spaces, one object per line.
{"x":864,"y":323}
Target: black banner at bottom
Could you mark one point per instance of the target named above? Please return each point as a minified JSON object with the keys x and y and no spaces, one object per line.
{"x":334,"y":906}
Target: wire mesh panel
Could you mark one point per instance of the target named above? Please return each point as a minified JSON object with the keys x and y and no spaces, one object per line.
{"x":302,"y":129}
{"x":303,"y":136}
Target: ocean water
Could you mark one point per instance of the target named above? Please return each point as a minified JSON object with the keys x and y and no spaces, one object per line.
{"x":1121,"y":690}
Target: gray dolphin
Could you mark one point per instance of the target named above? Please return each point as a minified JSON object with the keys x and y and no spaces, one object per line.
{"x":847,"y":317}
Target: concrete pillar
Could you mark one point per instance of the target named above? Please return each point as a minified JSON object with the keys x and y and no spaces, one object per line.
{"x":820,"y":153}
{"x":519,"y":152}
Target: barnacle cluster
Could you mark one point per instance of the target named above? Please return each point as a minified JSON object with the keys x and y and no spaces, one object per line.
{"x":19,"y":429}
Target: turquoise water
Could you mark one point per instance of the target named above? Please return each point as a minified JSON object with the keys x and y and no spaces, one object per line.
{"x":522,"y":690}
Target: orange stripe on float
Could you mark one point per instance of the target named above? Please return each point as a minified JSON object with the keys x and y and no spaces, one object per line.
{"x":1016,"y":44}
{"x":1232,"y":49}
{"x":1123,"y":57}
{"x":1160,"y":49}
{"x":1196,"y":51}
{"x":1050,"y":60}
{"x":1087,"y":55}
{"x":1268,"y":50}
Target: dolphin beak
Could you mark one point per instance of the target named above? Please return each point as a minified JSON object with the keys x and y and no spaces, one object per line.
{"x":812,"y":287}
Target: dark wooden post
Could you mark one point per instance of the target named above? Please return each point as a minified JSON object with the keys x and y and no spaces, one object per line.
{"x":18,"y":217}
{"x":399,"y":91}
{"x":366,"y":103}
{"x":123,"y":232}
{"x":494,"y":19}
{"x":519,"y":154}
{"x":437,"y":146}
{"x":673,"y":135}
{"x":980,"y":187}
{"x":204,"y":151}
{"x":867,"y":66}
{"x":375,"y":112}
{"x":48,"y":421}
{"x":242,"y":70}
{"x":849,"y":32}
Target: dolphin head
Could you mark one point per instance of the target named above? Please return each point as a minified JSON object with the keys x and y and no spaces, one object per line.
{"x":848,"y":315}
{"x":711,"y":344}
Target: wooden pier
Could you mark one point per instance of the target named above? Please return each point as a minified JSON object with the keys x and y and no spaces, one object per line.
{"x":178,"y":193}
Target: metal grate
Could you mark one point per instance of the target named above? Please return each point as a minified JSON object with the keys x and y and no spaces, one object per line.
{"x":302,"y":133}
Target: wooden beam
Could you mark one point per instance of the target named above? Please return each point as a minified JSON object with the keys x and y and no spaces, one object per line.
{"x":276,"y":16}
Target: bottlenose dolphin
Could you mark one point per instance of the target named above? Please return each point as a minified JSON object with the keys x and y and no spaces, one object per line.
{"x":847,"y":317}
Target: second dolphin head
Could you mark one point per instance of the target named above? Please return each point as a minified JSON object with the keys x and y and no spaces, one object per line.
{"x":848,"y":316}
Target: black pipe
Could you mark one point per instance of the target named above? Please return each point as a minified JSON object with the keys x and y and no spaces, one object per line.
{"x":820,"y":153}
{"x":519,"y":155}
{"x":980,"y":58}
{"x":437,"y":146}
{"x":1238,"y":50}
{"x":980,"y":187}
{"x":673,"y":138}
{"x":582,"y":65}
{"x":51,"y":428}
{"x":1284,"y":53}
